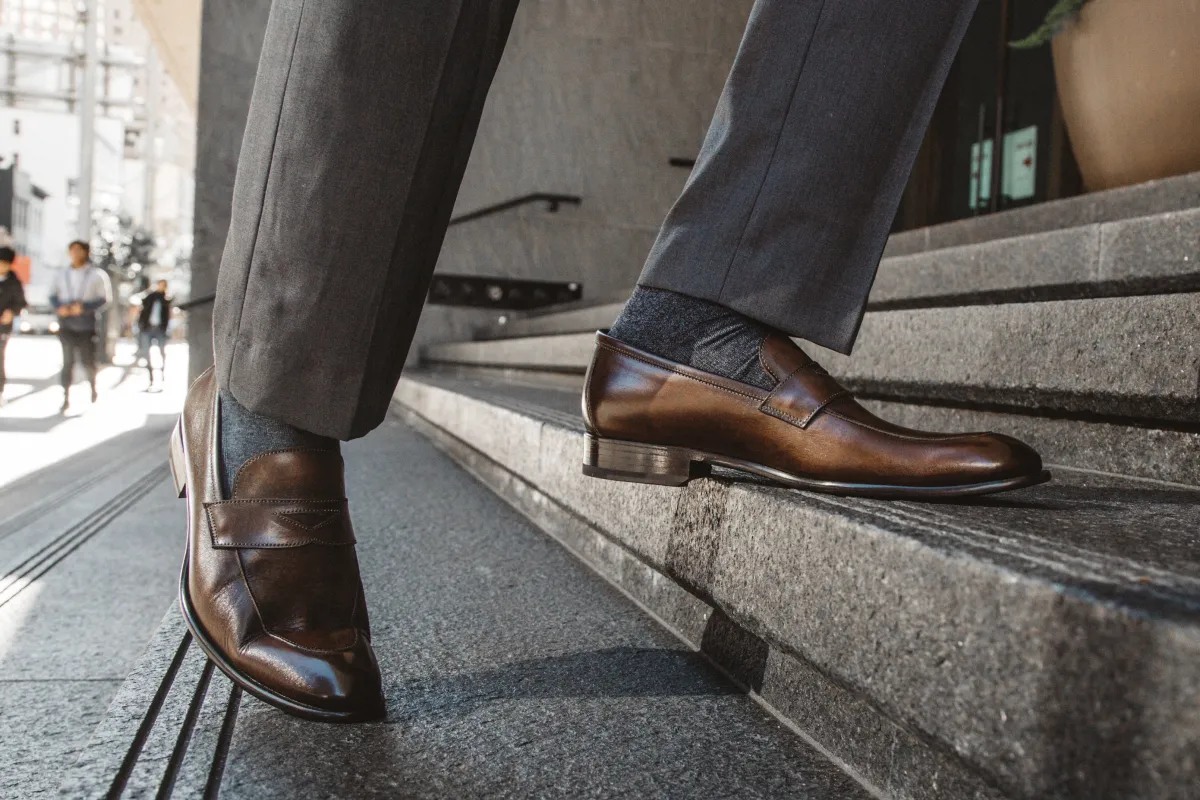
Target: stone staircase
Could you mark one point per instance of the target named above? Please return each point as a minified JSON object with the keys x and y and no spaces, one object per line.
{"x":1082,"y":340}
{"x":733,"y":638}
{"x":1040,"y":644}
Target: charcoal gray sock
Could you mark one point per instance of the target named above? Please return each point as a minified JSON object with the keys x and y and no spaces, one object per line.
{"x":245,"y":434}
{"x":695,"y":332}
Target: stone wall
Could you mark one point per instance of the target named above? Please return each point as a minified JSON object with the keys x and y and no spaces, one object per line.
{"x":231,"y":37}
{"x":593,"y":98}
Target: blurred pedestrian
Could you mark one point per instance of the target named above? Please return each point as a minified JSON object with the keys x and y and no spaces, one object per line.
{"x":79,"y":294}
{"x":12,"y":301}
{"x":152,"y":328}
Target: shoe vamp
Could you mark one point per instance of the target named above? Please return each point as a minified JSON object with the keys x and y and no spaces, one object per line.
{"x":305,"y":593}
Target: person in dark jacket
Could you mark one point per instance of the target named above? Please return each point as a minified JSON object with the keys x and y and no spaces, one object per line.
{"x":12,"y":301}
{"x":152,"y":327}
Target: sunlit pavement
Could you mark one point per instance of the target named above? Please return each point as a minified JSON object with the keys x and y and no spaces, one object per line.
{"x":34,"y":435}
{"x":90,"y":540}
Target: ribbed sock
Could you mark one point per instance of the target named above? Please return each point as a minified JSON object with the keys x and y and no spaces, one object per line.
{"x":695,"y":332}
{"x":245,"y":434}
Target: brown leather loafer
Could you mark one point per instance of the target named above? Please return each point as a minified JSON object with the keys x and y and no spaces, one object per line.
{"x":270,"y":586}
{"x":654,"y":421}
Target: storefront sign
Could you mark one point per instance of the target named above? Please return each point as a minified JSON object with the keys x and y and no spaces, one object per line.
{"x":1020,"y":163}
{"x":1018,"y":172}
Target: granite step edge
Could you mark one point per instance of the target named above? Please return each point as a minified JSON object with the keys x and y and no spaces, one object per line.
{"x":166,"y":730}
{"x":986,"y":720}
{"x":1169,"y":457}
{"x":1111,"y":359}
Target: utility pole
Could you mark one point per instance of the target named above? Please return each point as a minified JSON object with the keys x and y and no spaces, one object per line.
{"x":149,"y":137}
{"x":87,"y":122}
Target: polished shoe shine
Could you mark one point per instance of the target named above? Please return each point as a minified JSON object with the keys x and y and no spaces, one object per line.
{"x":270,"y":586}
{"x":652,"y":420}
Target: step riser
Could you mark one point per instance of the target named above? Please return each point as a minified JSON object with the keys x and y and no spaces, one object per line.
{"x":1005,"y":667}
{"x":1156,"y":454}
{"x":1126,"y":357}
{"x":1147,"y":255}
{"x":1130,"y":256}
{"x":821,"y":710}
{"x":1121,"y":358}
{"x":1179,"y":193}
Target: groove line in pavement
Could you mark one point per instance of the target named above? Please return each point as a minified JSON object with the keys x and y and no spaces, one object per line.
{"x":212,"y":787}
{"x":50,"y":554}
{"x":185,"y":734}
{"x":117,"y":787}
{"x":23,"y":519}
{"x":27,"y":517}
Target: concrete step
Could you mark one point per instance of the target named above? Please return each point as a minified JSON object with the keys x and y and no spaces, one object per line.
{"x":1153,"y":254}
{"x":511,"y":670}
{"x":1126,"y":359}
{"x":1144,"y":451}
{"x":1178,"y":193}
{"x":1044,"y":643}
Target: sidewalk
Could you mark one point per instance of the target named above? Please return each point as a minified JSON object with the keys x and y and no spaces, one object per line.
{"x":89,"y":548}
{"x":511,"y":669}
{"x":31,"y":426}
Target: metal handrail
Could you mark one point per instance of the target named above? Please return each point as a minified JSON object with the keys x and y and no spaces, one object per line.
{"x":552,"y":200}
{"x":196,"y":301}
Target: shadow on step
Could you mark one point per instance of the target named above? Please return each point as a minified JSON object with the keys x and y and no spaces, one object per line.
{"x":610,"y":672}
{"x":1058,"y":497}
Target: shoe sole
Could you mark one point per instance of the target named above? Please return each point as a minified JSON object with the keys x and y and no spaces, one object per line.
{"x":635,"y":462}
{"x":285,"y":704}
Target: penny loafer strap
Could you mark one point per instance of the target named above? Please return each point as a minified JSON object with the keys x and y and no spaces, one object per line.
{"x":802,"y":395}
{"x":271,"y":523}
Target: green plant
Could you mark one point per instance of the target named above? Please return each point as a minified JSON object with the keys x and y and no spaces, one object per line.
{"x":1056,"y":19}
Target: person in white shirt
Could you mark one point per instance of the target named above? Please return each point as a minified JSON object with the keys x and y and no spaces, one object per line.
{"x":79,"y":295}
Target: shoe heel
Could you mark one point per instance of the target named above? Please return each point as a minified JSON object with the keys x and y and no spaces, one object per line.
{"x":616,"y":460}
{"x":178,"y":461}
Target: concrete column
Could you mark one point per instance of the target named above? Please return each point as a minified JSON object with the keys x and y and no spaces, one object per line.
{"x":150,"y":149}
{"x":87,"y":123}
{"x":231,"y":35}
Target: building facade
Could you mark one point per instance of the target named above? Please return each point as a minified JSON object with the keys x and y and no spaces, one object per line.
{"x":145,"y":131}
{"x":21,"y":217}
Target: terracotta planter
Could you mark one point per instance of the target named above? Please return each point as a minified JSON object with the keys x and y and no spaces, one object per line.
{"x":1128,"y":75}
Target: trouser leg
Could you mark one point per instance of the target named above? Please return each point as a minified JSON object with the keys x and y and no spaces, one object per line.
{"x":363,"y":117}
{"x":787,"y":211}
{"x":86,"y":347}
{"x":161,"y":340}
{"x":3,"y":373}
{"x":66,"y":339}
{"x":144,"y":342}
{"x":157,"y":339}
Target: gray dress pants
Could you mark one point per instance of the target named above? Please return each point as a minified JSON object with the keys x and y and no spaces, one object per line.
{"x":362,"y":121}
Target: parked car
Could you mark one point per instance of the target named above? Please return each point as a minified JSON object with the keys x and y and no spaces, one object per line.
{"x":37,"y":319}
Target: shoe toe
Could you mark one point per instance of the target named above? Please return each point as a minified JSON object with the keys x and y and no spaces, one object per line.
{"x":996,"y":456}
{"x":338,"y":682}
